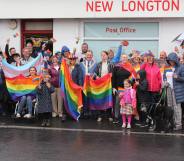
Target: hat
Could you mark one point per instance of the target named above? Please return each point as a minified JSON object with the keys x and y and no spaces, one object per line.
{"x":65,"y":49}
{"x":149,"y":53}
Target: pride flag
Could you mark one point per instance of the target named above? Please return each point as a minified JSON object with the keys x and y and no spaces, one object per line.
{"x":71,"y":92}
{"x":98,"y":92}
{"x":11,"y":71}
{"x":20,"y":86}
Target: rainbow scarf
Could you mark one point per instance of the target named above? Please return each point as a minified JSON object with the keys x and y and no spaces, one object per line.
{"x":167,"y":69}
{"x":71,"y":92}
{"x":98,"y":92}
{"x":20,"y":86}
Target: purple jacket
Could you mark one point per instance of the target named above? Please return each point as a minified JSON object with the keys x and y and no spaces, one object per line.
{"x":54,"y":76}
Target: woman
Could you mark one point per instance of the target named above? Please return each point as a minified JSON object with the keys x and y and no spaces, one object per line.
{"x":57,"y":101}
{"x":121,"y":71}
{"x":136,"y":62}
{"x":103,"y":68}
{"x":27,"y":99}
{"x":154,"y":78}
{"x":75,"y":70}
{"x":174,"y":80}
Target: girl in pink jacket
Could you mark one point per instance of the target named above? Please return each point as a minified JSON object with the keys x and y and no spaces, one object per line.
{"x":127,"y":103}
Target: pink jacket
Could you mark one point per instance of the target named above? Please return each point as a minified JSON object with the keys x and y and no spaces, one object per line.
{"x":153,"y":77}
{"x":133,"y":98}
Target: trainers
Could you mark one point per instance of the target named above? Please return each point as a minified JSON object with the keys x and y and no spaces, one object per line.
{"x":54,"y":115}
{"x":28,"y":116}
{"x":124,"y":125}
{"x":48,"y":123}
{"x":99,"y":119}
{"x":128,"y":126}
{"x":18,"y":115}
{"x":60,"y":115}
{"x":110,"y":119}
{"x":43,"y":123}
{"x":116,"y":121}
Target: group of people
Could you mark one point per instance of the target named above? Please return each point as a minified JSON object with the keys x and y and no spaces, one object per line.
{"x":137,"y":81}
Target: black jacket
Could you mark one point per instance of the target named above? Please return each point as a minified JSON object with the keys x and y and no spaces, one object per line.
{"x":98,"y":69}
{"x":143,"y":95}
{"x":119,"y":74}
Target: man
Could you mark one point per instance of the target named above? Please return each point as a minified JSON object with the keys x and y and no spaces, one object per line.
{"x":26,"y":56}
{"x":84,"y":49}
{"x":88,"y":65}
{"x":9,"y":52}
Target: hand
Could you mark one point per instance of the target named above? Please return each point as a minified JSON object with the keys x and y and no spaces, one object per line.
{"x":137,"y":83}
{"x":175,"y":76}
{"x":39,"y":86}
{"x":8,"y":41}
{"x":166,"y":84}
{"x":114,"y":91}
{"x":48,"y":84}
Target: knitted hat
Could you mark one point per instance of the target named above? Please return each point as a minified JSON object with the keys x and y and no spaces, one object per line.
{"x":65,"y":49}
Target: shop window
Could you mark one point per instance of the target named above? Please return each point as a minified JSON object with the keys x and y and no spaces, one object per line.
{"x":108,"y":35}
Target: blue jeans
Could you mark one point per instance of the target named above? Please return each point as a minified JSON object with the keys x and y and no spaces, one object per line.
{"x":25,"y":100}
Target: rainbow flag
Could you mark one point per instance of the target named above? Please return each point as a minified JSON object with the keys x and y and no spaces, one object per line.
{"x":71,"y":92}
{"x":20,"y":86}
{"x":98,"y":92}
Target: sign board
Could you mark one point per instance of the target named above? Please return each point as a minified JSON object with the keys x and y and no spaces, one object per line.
{"x":91,"y":8}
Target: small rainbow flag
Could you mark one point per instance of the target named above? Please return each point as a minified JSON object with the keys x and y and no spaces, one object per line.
{"x":98,"y":92}
{"x":71,"y":92}
{"x":20,"y":86}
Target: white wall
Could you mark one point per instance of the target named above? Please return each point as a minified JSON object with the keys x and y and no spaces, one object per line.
{"x":6,"y":32}
{"x":169,"y":29}
{"x":66,"y":32}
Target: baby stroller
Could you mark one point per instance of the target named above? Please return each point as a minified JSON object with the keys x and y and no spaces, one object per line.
{"x":159,"y":117}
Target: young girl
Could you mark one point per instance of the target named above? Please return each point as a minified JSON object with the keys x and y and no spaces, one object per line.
{"x":44,"y":91}
{"x":127,"y":103}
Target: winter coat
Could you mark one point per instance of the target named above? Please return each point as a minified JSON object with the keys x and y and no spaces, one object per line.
{"x":143,"y":96}
{"x":54,"y":76}
{"x":119,"y":74}
{"x":178,"y":83}
{"x":44,"y":98}
{"x":98,"y":68}
{"x":77,"y":75}
{"x":153,"y":76}
{"x":123,"y":96}
{"x":91,"y":68}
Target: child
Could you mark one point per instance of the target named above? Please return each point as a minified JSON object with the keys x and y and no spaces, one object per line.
{"x":128,"y":103}
{"x":143,"y":97}
{"x":44,"y":91}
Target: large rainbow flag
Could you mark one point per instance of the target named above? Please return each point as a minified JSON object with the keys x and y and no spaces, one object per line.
{"x":98,"y":92}
{"x":71,"y":92}
{"x":20,"y":86}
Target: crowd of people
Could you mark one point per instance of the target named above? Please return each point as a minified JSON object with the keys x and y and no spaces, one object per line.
{"x":138,"y":80}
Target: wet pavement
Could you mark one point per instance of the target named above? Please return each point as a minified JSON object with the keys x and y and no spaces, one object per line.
{"x":50,"y":145}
